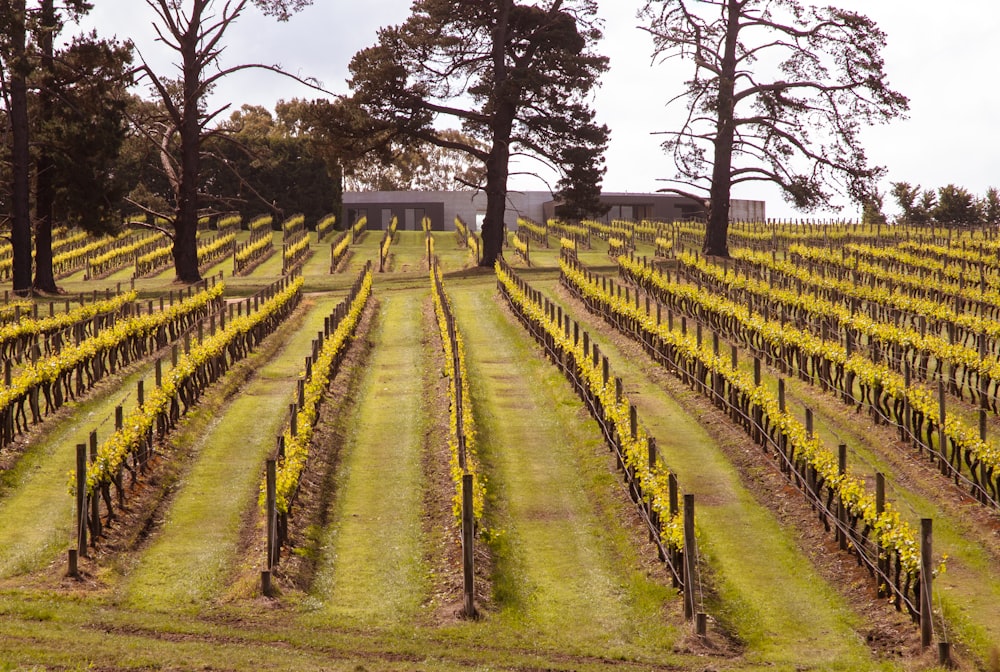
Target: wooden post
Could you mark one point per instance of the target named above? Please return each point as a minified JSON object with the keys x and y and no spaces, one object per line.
{"x":652,"y":458}
{"x":468,"y":554}
{"x":942,"y":447}
{"x":926,"y":579}
{"x":841,"y":513}
{"x":265,"y":583}
{"x":272,"y":515}
{"x":944,"y":654}
{"x":95,"y":501}
{"x":906,"y":401}
{"x":81,"y":499}
{"x":883,"y":563}
{"x":74,"y":569}
{"x":701,"y":624}
{"x":690,"y":550}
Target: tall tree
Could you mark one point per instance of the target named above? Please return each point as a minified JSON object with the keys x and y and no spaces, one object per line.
{"x":195,"y":30}
{"x":15,"y":66}
{"x":871,"y":209}
{"x":417,"y":166}
{"x":46,"y":93}
{"x":991,"y":206}
{"x":906,"y":196}
{"x":924,"y":212}
{"x":578,"y":192}
{"x":78,"y":128}
{"x":48,"y":26}
{"x":517,"y":76}
{"x":261,"y":163}
{"x":796,"y":124}
{"x":955,"y":205}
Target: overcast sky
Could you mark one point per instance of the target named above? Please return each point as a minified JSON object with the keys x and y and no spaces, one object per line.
{"x":944,"y":58}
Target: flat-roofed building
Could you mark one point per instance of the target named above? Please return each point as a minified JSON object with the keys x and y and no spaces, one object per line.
{"x":441,"y":207}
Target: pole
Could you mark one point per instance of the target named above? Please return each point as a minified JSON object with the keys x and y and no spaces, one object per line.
{"x":468,"y":554}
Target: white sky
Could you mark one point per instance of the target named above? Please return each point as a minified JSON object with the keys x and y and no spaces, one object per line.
{"x":942,"y":57}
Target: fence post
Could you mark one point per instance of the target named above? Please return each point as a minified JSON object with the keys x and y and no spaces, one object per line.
{"x":95,"y":501}
{"x":926,"y":575}
{"x":841,"y":517}
{"x":468,"y":554}
{"x":690,"y":550}
{"x":81,"y":499}
{"x":942,"y":448}
{"x":272,"y":513}
{"x":883,"y":563}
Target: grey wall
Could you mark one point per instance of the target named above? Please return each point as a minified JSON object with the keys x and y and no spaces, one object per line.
{"x":443,"y":206}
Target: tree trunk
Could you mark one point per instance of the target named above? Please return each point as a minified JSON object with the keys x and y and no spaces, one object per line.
{"x":717,"y":231}
{"x":20,"y":154}
{"x":497,"y":164}
{"x":185,"y":248}
{"x":44,"y":189}
{"x":186,"y":221}
{"x":494,"y":228}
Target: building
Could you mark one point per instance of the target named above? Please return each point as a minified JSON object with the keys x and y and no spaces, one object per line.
{"x":410,"y":207}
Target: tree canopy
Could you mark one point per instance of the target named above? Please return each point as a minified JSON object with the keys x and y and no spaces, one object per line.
{"x":517,"y":77}
{"x":265,"y":162}
{"x":948,"y":205}
{"x":780,"y":92}
{"x":416,"y":165}
{"x":195,"y":31}
{"x":65,"y":112}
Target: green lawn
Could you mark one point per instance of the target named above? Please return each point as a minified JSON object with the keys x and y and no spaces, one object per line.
{"x":573,"y":583}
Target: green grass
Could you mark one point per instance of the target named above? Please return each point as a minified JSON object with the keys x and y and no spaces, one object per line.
{"x":565,"y":577}
{"x":774,"y":625}
{"x":36,"y":507}
{"x":373,"y":568}
{"x":571,"y":587}
{"x":969,"y":590}
{"x":187,"y":564}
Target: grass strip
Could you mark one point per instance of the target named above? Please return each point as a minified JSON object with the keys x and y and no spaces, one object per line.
{"x":189,"y":560}
{"x":565,"y":574}
{"x":38,"y":513}
{"x":373,"y":571}
{"x":804,"y":621}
